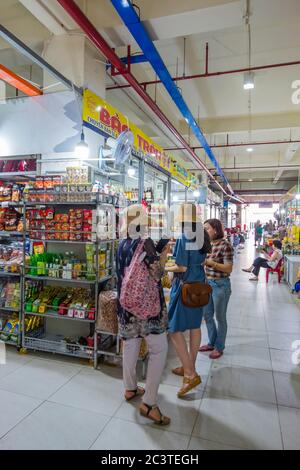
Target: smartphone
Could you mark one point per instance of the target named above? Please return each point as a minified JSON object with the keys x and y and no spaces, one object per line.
{"x":162,"y":244}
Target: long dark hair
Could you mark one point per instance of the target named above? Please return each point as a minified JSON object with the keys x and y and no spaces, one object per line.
{"x":206,"y":248}
{"x":216,"y":224}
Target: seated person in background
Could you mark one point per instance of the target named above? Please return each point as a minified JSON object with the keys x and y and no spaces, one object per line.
{"x":270,"y":261}
{"x":242,"y":241}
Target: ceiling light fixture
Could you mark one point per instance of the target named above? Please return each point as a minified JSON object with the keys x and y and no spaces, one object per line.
{"x":196,"y":193}
{"x":82,"y":149}
{"x":249,"y":149}
{"x":248,"y":81}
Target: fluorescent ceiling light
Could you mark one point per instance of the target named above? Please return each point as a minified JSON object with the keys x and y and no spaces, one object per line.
{"x":248,"y":81}
{"x":249,"y":149}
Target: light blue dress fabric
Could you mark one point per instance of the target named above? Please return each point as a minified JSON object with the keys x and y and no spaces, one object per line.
{"x":182,"y":318}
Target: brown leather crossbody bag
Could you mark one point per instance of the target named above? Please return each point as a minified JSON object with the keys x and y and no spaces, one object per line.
{"x":195,"y":294}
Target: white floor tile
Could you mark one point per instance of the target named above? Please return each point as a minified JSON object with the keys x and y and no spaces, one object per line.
{"x":240,"y":423}
{"x":55,"y":427}
{"x":287,"y":389}
{"x":282,"y":361}
{"x":92,"y":390}
{"x":281,"y":326}
{"x":246,"y":356}
{"x":290,"y":313}
{"x":251,"y":384}
{"x":14,"y":361}
{"x":239,"y":336}
{"x":183,"y":412}
{"x":202,"y":444}
{"x":125,"y":435}
{"x":290,"y":427}
{"x":14,"y":408}
{"x":38,"y":378}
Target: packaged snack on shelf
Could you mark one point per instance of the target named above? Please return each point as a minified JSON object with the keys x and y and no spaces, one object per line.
{"x":48,"y":182}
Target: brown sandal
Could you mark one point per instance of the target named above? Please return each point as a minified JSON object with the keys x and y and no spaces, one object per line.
{"x":162,"y":421}
{"x":178,"y":371}
{"x":188,"y":385}
{"x":138,"y":392}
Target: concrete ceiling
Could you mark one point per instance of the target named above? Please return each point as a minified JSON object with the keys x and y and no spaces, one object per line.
{"x":220,"y":103}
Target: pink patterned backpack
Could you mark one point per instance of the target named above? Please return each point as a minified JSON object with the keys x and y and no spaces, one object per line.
{"x":139,"y":292}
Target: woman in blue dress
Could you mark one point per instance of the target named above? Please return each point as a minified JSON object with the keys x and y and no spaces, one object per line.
{"x":190,"y":254}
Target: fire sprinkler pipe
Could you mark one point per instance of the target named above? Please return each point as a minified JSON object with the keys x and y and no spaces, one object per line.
{"x":208,"y":74}
{"x":75,"y":12}
{"x":131,"y":19}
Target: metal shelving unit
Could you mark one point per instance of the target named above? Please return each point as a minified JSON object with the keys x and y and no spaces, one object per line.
{"x":42,"y":341}
{"x":16,"y":236}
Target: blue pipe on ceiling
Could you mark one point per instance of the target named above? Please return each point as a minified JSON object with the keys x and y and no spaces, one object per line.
{"x":134,"y":59}
{"x":141,"y":36}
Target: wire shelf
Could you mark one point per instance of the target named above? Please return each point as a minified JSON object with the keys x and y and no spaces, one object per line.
{"x":55,"y":315}
{"x":6,"y":233}
{"x":6,"y":273}
{"x":10,"y":342}
{"x":76,"y":281}
{"x":57,"y":344}
{"x":10,"y":309}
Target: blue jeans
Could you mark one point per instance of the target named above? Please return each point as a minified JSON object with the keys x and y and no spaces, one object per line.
{"x":217,"y":306}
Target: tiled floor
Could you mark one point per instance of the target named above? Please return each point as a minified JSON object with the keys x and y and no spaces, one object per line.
{"x":249,"y":399}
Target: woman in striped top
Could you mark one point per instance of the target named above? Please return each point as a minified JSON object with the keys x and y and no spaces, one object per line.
{"x":218,"y":269}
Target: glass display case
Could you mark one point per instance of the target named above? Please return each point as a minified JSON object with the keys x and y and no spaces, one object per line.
{"x":156,"y":198}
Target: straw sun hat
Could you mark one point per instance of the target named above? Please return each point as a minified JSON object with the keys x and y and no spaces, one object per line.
{"x":186,"y":213}
{"x":133,"y":216}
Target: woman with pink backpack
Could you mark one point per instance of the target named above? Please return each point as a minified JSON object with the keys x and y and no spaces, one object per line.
{"x":142,"y":311}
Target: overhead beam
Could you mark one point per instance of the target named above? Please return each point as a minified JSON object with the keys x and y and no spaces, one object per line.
{"x":255,"y":169}
{"x":239,"y":144}
{"x":41,"y":12}
{"x":16,"y":43}
{"x":225,"y":125}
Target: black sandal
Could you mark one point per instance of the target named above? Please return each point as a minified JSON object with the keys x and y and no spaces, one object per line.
{"x":163,"y":421}
{"x":138,"y":392}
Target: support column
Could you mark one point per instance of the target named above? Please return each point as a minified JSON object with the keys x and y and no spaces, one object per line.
{"x":74,"y":57}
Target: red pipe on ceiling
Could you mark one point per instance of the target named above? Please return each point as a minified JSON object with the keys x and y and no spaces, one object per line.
{"x":212,"y":74}
{"x":96,"y":38}
{"x":275,"y":142}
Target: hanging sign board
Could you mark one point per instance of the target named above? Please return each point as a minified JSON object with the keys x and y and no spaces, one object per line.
{"x":101,"y":117}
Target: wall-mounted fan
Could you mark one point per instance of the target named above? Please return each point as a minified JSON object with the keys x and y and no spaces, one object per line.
{"x":117,"y":150}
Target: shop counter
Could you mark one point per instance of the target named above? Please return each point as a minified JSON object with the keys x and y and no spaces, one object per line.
{"x":291,"y":267}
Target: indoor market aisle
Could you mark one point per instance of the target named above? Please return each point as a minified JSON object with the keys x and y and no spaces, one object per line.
{"x":250,"y":399}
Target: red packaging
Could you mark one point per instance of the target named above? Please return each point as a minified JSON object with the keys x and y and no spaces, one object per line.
{"x":63,"y":309}
{"x":75,"y":236}
{"x":49,"y":213}
{"x":48,"y":182}
{"x":39,"y":182}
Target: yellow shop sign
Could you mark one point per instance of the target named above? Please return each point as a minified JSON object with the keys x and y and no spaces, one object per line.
{"x":101,"y":117}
